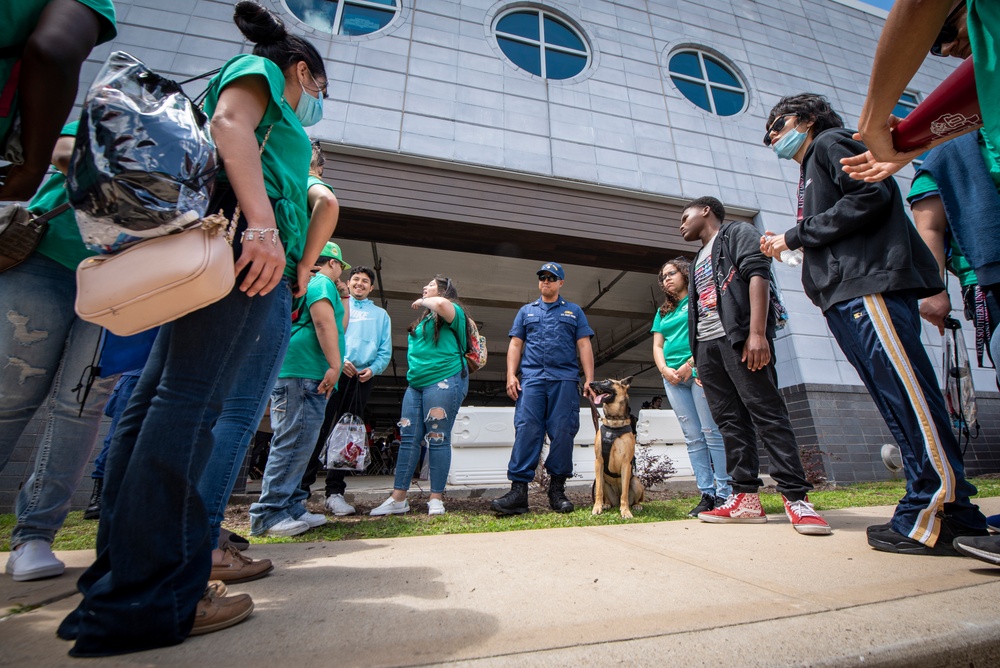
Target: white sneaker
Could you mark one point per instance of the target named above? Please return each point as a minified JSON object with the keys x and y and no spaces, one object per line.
{"x":288,"y":527}
{"x":312,"y":519}
{"x":336,"y":504}
{"x":33,"y":561}
{"x":390,"y":507}
{"x":435,"y":507}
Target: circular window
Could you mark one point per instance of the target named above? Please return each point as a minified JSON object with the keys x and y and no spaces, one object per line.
{"x":708,"y":82}
{"x":541,"y":43}
{"x":345,"y":17}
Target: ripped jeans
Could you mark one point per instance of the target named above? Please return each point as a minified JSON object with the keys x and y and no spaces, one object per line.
{"x":45,"y":350}
{"x":427,"y":418}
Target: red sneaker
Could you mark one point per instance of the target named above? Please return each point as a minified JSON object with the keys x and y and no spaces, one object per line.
{"x":742,"y":508}
{"x":804,"y":519}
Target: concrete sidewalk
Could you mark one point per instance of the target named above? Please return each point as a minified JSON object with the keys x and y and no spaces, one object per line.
{"x":666,"y":594}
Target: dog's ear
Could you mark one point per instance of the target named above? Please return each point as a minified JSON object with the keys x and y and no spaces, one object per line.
{"x":626,"y":381}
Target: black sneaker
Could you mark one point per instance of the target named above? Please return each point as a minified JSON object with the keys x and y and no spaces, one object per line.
{"x":887,"y":539}
{"x":984,"y":548}
{"x":707,"y":503}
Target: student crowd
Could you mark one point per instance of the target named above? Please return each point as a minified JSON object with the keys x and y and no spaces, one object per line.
{"x":184,"y":418}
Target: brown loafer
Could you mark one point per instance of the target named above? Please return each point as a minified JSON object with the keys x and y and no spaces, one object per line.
{"x":234,"y":539}
{"x":215,"y":612}
{"x":236,"y":568}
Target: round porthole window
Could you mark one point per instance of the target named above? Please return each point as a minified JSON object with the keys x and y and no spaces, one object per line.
{"x":541,"y":43}
{"x":708,"y":82}
{"x":345,"y":17}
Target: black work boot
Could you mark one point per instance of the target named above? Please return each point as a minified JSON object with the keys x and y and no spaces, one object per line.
{"x":514,"y":502}
{"x":93,"y":511}
{"x":557,"y":495}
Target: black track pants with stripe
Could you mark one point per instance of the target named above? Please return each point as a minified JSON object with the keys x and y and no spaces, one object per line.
{"x":880,"y":335}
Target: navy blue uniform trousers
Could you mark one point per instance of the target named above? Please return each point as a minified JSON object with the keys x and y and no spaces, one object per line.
{"x":544,"y":407}
{"x":880,"y":335}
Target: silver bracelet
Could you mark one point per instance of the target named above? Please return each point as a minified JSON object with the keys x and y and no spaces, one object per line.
{"x":259,"y":234}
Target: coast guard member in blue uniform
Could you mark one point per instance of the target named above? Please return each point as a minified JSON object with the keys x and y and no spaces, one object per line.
{"x":547,"y":336}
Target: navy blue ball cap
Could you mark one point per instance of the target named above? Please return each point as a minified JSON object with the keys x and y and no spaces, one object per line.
{"x":553,"y":268}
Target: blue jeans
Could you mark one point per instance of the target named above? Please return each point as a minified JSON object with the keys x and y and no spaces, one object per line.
{"x":427,"y":418}
{"x":544,"y":407}
{"x":44,"y":351}
{"x":297,"y":410}
{"x":704,"y":441}
{"x":142,"y":594}
{"x":241,"y":414}
{"x":114,"y":409}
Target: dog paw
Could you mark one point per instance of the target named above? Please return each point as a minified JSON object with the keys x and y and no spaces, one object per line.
{"x":626,"y":514}
{"x":597,"y":510}
{"x":637,"y":507}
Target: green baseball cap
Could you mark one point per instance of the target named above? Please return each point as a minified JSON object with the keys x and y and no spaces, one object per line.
{"x":332,"y":250}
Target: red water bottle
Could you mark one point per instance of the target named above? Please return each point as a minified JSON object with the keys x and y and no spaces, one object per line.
{"x":951,"y":108}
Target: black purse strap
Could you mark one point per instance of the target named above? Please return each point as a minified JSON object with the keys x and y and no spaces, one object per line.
{"x":49,"y":215}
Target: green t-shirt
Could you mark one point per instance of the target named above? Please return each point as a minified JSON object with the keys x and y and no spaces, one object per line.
{"x":305,"y":358}
{"x":19,"y":18}
{"x":984,"y":28}
{"x":316,"y":181}
{"x":62,"y":242}
{"x":286,"y":156}
{"x":674,"y":328}
{"x":431,"y":362}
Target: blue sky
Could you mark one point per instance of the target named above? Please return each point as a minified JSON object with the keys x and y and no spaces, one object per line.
{"x":884,"y":4}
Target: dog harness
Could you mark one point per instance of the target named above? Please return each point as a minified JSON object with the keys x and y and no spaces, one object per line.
{"x":608,"y":437}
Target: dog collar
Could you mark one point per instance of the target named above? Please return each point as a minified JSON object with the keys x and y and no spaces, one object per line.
{"x":616,"y":422}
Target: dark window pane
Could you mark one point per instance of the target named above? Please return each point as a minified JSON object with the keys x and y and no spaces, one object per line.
{"x":901,"y":110}
{"x":559,"y":65}
{"x":319,"y":14}
{"x":526,"y":56}
{"x":522,"y":24}
{"x":694,"y":92}
{"x":719,"y":74}
{"x":727,"y":102}
{"x":686,"y":63}
{"x":364,"y":20}
{"x":558,"y":34}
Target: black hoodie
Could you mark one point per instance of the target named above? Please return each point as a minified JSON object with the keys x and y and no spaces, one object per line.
{"x":736,"y":258}
{"x":855,"y":237}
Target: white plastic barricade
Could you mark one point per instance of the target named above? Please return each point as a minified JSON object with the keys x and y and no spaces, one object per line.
{"x":661,"y":430}
{"x":482,"y":438}
{"x":480,"y":445}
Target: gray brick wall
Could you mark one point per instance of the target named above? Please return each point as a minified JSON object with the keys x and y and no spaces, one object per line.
{"x":845,"y":425}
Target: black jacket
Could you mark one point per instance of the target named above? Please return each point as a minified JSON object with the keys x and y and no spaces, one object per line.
{"x":736,"y":258}
{"x":855,"y":237}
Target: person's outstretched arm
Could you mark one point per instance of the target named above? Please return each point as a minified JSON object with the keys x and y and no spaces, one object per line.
{"x":65,"y":34}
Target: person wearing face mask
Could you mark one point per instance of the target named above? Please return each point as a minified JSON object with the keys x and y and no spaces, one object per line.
{"x":865,"y":266}
{"x":156,"y":595}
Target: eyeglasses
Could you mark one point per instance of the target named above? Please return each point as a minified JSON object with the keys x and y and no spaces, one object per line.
{"x":547,"y":278}
{"x":319,"y":89}
{"x":668,"y":274}
{"x":776,"y":127}
{"x":948,"y":34}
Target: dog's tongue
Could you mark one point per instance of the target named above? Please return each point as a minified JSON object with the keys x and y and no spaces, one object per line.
{"x":600,"y":398}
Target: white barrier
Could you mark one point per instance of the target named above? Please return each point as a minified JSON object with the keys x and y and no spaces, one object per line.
{"x":482,"y":438}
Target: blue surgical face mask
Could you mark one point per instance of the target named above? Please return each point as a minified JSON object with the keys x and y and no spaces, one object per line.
{"x":789,"y":145}
{"x":309,"y":110}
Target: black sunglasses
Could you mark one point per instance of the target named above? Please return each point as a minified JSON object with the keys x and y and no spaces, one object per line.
{"x":547,"y":278}
{"x":948,"y":34}
{"x":777,"y":126}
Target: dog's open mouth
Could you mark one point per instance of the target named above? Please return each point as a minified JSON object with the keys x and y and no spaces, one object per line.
{"x":601,"y":398}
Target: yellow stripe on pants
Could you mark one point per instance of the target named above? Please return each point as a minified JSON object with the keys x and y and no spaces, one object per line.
{"x":926,"y":528}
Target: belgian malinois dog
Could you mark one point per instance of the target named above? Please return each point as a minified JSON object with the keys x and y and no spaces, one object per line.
{"x":614,"y":450}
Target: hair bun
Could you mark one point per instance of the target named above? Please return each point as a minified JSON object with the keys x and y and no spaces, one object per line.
{"x":258,"y":24}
